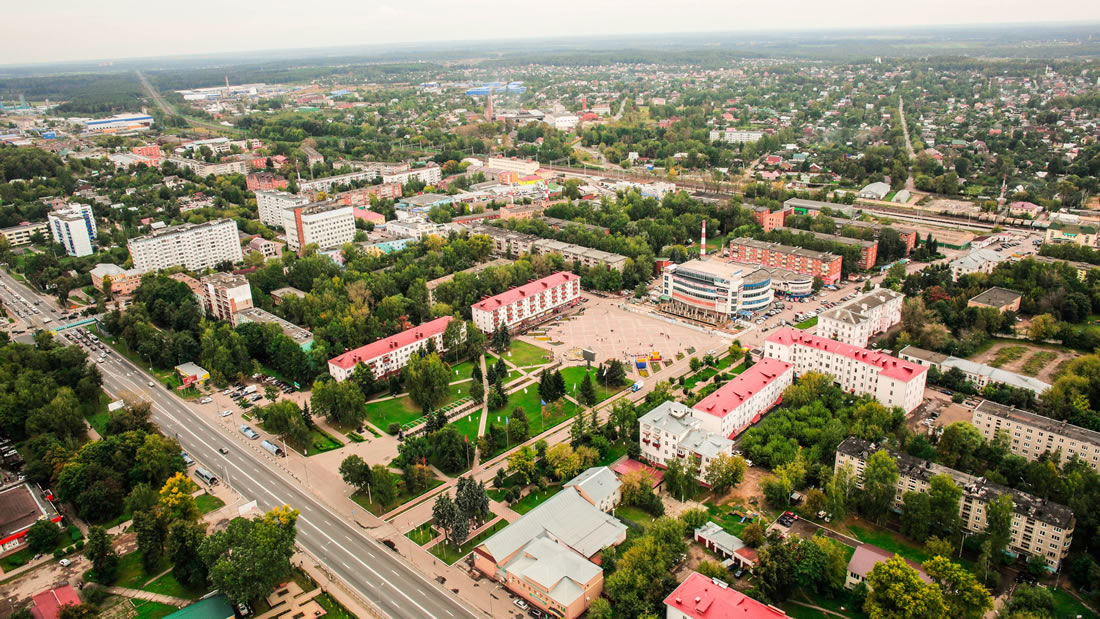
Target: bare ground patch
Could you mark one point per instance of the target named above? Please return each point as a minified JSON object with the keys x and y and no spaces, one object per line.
{"x":1045,"y":361}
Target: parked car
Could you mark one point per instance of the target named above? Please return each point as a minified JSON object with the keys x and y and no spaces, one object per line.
{"x":520,"y":604}
{"x":187,"y":459}
{"x":65,"y":562}
{"x":226,"y":413}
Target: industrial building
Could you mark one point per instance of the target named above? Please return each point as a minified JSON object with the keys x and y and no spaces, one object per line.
{"x":524,"y":306}
{"x":194,"y":246}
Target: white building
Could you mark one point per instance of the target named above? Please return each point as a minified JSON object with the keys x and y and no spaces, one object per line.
{"x":429,"y":175}
{"x":218,"y":168}
{"x":225,"y":294}
{"x":391,"y":354}
{"x":857,"y":321}
{"x":416,"y":227}
{"x":194,"y":246}
{"x":327,"y":183}
{"x":672,"y":430}
{"x":525,"y":167}
{"x":977,"y":261}
{"x":874,"y":191}
{"x":742,"y":401}
{"x":328,"y":224}
{"x":599,"y":486}
{"x":735,"y":136}
{"x":120,"y":123}
{"x":74,"y":228}
{"x":21,"y":234}
{"x":562,"y":122}
{"x":1031,"y":435}
{"x":978,"y":373}
{"x":715,"y":291}
{"x":892,"y":381}
{"x":524,"y":305}
{"x":270,"y":205}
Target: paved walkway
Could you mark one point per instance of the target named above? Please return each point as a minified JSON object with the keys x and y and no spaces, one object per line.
{"x":151,"y":597}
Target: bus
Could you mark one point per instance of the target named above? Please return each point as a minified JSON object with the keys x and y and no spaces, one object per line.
{"x":206,"y":476}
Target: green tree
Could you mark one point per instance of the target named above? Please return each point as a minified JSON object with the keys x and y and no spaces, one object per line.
{"x":152,"y":531}
{"x":383,"y":488}
{"x":99,"y":550}
{"x":880,"y":478}
{"x":1028,"y":601}
{"x":340,"y":403}
{"x":939,"y":547}
{"x":427,"y":380}
{"x":522,"y":462}
{"x":916,"y":514}
{"x":838,"y":491}
{"x":896,"y":591}
{"x":963,"y":595}
{"x":355,"y":472}
{"x":959,"y":445}
{"x":998,"y":519}
{"x":249,"y":557}
{"x":477,"y":391}
{"x":182,"y":550}
{"x":588,"y":391}
{"x":724,"y":472}
{"x":447,"y":516}
{"x":43,"y":536}
{"x":472,"y":500}
{"x":776,"y":568}
{"x":943,"y":503}
{"x":680,"y":477}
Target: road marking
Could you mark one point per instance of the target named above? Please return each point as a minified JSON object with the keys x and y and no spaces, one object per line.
{"x":395,"y":573}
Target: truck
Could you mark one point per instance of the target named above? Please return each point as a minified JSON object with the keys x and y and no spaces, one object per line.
{"x":636,"y":386}
{"x":249,"y":389}
{"x":273,"y":448}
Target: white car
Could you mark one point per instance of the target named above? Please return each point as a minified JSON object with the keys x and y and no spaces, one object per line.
{"x":65,"y":562}
{"x":206,"y":400}
{"x":226,"y":413}
{"x":520,"y":604}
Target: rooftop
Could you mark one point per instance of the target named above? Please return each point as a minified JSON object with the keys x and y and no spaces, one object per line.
{"x":888,"y":365}
{"x":47,"y":605}
{"x":743,"y":386}
{"x":586,"y":530}
{"x":298,"y":334}
{"x":855,"y":311}
{"x":597,"y":482}
{"x":286,"y":292}
{"x":557,"y":569}
{"x":393,"y":342}
{"x":1039,"y":422}
{"x":701,"y":597}
{"x":867,"y":556}
{"x":823,"y":256}
{"x":714,"y":268}
{"x":214,"y":607}
{"x":836,"y":238}
{"x":163,"y":232}
{"x":978,"y":488}
{"x":529,"y":289}
{"x":21,"y":507}
{"x":966,"y":366}
{"x":817,"y":205}
{"x":997,"y":297}
{"x":427,"y":199}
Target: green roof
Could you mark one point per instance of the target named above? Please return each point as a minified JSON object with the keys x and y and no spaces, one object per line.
{"x":214,"y":607}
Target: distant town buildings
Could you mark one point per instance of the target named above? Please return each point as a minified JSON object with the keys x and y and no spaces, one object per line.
{"x":868,"y":250}
{"x":195,"y":246}
{"x":731,"y":135}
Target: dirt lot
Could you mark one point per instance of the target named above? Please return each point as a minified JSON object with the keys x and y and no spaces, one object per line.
{"x":1015,"y":356}
{"x":936,"y":402}
{"x":747,"y":489}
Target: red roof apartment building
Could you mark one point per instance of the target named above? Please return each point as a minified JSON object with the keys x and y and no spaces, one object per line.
{"x":742,"y":401}
{"x":700,"y":597}
{"x":391,"y":354}
{"x":526,"y":305}
{"x":892,"y":381}
{"x":868,"y":249}
{"x":802,"y":261}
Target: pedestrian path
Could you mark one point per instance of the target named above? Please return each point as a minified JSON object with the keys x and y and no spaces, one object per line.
{"x":148,"y":596}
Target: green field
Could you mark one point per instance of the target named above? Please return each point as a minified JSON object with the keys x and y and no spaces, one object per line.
{"x":401,"y":410}
{"x":522,"y":354}
{"x":707,"y":373}
{"x":575,"y":375}
{"x":468,"y":424}
{"x":168,"y":585}
{"x":530,"y":402}
{"x":634,"y":514}
{"x":806,"y":324}
{"x":422,"y":534}
{"x":534,"y":499}
{"x":1065,"y":605}
{"x":16,"y":559}
{"x":512,"y":374}
{"x":402,"y":497}
{"x":208,"y":503}
{"x":1037,"y":362}
{"x":463,"y":371}
{"x":98,"y":419}
{"x":333,"y":608}
{"x":449,"y":555}
{"x":151,"y":610}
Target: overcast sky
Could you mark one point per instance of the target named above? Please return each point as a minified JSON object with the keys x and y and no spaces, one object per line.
{"x":59,"y":30}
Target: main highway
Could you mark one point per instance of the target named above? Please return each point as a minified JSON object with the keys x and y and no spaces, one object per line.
{"x":374,"y":571}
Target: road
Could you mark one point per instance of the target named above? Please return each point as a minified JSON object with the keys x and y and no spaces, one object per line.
{"x":909,"y":183}
{"x":171,"y":109}
{"x":375,"y":572}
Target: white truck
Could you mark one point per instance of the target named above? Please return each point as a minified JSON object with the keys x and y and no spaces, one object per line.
{"x":637,"y":386}
{"x":249,"y":389}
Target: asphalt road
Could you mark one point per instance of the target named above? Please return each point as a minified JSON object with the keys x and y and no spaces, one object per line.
{"x":376,"y":572}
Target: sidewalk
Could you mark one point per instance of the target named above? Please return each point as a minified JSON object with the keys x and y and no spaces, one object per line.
{"x":150,"y":597}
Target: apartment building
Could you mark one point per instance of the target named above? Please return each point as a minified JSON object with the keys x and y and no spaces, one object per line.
{"x":1031,"y":435}
{"x":217,"y":168}
{"x":123,"y":281}
{"x":868,"y":250}
{"x":770,"y":219}
{"x":302,"y":337}
{"x":328,"y":224}
{"x":505,"y":242}
{"x":523,"y":167}
{"x":329,"y":182}
{"x":746,"y":398}
{"x":390,"y":354}
{"x":1082,"y":268}
{"x":804,"y":261}
{"x":586,"y":256}
{"x":525,"y":305}
{"x":908,"y":235}
{"x":363,"y":195}
{"x":551,"y":561}
{"x":713,"y":291}
{"x":74,"y":228}
{"x":674,"y":430}
{"x":892,"y":381}
{"x":429,"y":175}
{"x":858,"y":320}
{"x":477,"y":268}
{"x":194,"y":246}
{"x":266,"y":248}
{"x":271,"y":204}
{"x":21,"y":234}
{"x":978,"y":373}
{"x":731,"y":135}
{"x":977,"y":261}
{"x":1039,"y":527}
{"x":225,"y":294}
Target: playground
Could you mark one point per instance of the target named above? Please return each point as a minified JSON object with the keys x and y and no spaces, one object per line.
{"x":610,"y":331}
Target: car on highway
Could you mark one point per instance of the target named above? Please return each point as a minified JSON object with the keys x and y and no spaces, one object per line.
{"x":249,"y":432}
{"x":223,"y":451}
{"x":152,"y":384}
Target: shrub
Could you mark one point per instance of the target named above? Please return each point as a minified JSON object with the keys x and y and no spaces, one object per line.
{"x":393,"y":428}
{"x":80,"y":545}
{"x":58,"y":553}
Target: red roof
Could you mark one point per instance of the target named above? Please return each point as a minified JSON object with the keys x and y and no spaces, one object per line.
{"x":376,"y":349}
{"x":742,"y":387}
{"x":888,"y":365}
{"x":511,"y":296}
{"x":867,"y":556}
{"x":700,"y":597}
{"x":629,"y":466}
{"x":47,"y":605}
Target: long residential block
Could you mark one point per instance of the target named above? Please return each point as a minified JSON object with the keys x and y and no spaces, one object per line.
{"x":1031,"y":435}
{"x":868,"y":250}
{"x":892,"y":381}
{"x":390,"y":354}
{"x":195,"y":246}
{"x":270,"y":205}
{"x":525,"y":305}
{"x":743,"y":400}
{"x":1039,"y":527}
{"x":803,"y":261}
{"x":980,"y":374}
{"x":857,"y":321}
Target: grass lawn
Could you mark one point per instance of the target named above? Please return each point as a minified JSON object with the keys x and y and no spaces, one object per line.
{"x":806,"y":324}
{"x":98,"y":418}
{"x":423,"y":534}
{"x":1037,"y":362}
{"x":130,"y":572}
{"x":321,"y":441}
{"x":468,"y":424}
{"x":1007,"y":354}
{"x":1065,"y":605}
{"x":402,"y":410}
{"x":575,"y":376}
{"x":533,"y":500}
{"x":530,"y":402}
{"x":512,"y":374}
{"x":464,"y":370}
{"x":634,"y":514}
{"x":893,"y":542}
{"x":151,"y":610}
{"x":707,"y":373}
{"x":208,"y":503}
{"x":402,"y":496}
{"x":617,"y":450}
{"x":522,"y":354}
{"x":333,"y":608}
{"x":723,"y":516}
{"x":16,"y":559}
{"x":449,"y":555}
{"x":168,"y":585}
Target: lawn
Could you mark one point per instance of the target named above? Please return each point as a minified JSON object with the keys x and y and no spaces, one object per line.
{"x":151,"y":610}
{"x":449,"y":555}
{"x":1065,"y":605}
{"x":16,"y":559}
{"x":401,"y":410}
{"x":321,"y":441}
{"x":530,"y":402}
{"x":98,"y":419}
{"x":512,"y":374}
{"x":463,"y":370}
{"x":468,"y":425}
{"x":168,"y":585}
{"x":522,"y":354}
{"x":423,"y":534}
{"x":1008,"y":354}
{"x":806,"y":324}
{"x":616,"y":451}
{"x":208,"y":503}
{"x":1038,"y":361}
{"x":891,"y":542}
{"x":634,"y":514}
{"x":574,"y":376}
{"x":708,"y":372}
{"x":724,"y":517}
{"x":131,"y":574}
{"x":534,"y":499}
{"x":333,"y":609}
{"x":402,"y":496}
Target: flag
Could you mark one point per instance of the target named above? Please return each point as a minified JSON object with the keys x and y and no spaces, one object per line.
{"x":466,"y":438}
{"x":505,"y":422}
{"x":541,"y":401}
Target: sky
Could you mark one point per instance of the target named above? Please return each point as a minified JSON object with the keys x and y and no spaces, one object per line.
{"x":66,"y":30}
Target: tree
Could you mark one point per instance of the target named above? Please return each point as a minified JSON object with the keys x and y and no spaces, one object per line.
{"x":724,"y":472}
{"x":958,"y":446}
{"x":501,"y":339}
{"x":712,"y":569}
{"x":151,"y":530}
{"x":472,"y":500}
{"x":158,"y":458}
{"x":695,"y":518}
{"x":1028,"y":601}
{"x":963,"y":595}
{"x":680,"y":477}
{"x":78,"y":611}
{"x":753,"y":535}
{"x":518,"y":426}
{"x":777,"y":490}
{"x":938,"y":546}
{"x":447,"y":515}
{"x":355,"y":472}
{"x":522,"y":462}
{"x":588,"y":390}
{"x":182,"y":550}
{"x":285,"y":420}
{"x":340,"y":403}
{"x":249,"y":557}
{"x":943,"y":503}
{"x":383,"y":489}
{"x":1042,"y":327}
{"x":477,"y":390}
{"x":896,"y":590}
{"x":427,"y":380}
{"x":880,"y":478}
{"x":838,"y":490}
{"x":916,"y":513}
{"x":695,"y":364}
{"x":563,"y":461}
{"x":43,"y":536}
{"x":775,"y":569}
{"x":998,"y":519}
{"x":364,"y":378}
{"x":176,"y":500}
{"x":600,"y":609}
{"x":101,"y":553}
